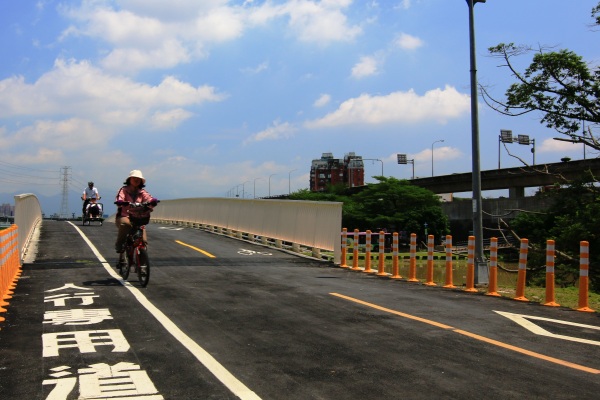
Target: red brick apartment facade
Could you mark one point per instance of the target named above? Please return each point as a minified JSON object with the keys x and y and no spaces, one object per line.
{"x":327,"y":170}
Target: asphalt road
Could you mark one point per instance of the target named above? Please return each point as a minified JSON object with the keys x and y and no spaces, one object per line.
{"x":225,"y":319}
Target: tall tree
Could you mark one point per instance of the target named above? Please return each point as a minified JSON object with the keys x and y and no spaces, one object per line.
{"x":559,"y":84}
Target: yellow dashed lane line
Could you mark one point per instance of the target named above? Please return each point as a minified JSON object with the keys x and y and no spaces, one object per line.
{"x":473,"y":336}
{"x":206,"y":253}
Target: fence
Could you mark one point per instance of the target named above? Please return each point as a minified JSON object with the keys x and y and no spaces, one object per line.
{"x":351,"y":241}
{"x":282,"y":223}
{"x":28,"y":214}
{"x":10,"y":265}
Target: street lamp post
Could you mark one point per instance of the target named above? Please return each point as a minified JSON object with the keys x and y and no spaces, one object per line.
{"x":437,"y":141}
{"x":375,"y":159}
{"x":270,"y":184}
{"x":244,"y":189}
{"x":255,"y":179}
{"x":481,"y":271}
{"x":290,"y":181}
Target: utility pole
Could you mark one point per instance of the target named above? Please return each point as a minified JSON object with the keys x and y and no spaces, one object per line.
{"x":64,"y":206}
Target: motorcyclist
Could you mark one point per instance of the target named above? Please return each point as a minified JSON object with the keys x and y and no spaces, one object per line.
{"x":88,"y":193}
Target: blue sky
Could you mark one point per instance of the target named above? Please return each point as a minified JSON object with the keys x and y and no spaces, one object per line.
{"x":215,"y":97}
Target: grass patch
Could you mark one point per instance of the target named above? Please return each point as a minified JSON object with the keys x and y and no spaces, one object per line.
{"x":566,"y":297}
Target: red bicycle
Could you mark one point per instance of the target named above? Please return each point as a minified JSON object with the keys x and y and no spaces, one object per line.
{"x":136,"y":253}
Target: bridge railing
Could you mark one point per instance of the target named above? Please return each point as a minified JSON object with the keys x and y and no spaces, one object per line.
{"x":28,"y":214}
{"x":311,"y":224}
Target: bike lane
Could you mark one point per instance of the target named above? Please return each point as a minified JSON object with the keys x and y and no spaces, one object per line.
{"x":73,"y":330}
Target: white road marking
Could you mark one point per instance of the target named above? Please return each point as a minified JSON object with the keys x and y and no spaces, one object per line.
{"x":222,"y":374}
{"x":170,"y":229}
{"x":524,"y":321}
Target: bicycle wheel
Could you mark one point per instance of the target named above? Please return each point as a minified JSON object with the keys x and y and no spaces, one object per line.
{"x":143,"y":266}
{"x":125,"y":264}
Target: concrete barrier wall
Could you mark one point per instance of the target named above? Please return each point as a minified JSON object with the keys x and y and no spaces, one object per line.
{"x":28,"y":214}
{"x":307,"y":223}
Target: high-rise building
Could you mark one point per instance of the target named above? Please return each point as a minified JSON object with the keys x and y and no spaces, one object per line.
{"x":7,"y":210}
{"x":327,"y":171}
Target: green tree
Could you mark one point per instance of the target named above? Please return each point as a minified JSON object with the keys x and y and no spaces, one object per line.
{"x":559,"y":84}
{"x":400,"y":206}
{"x":392,"y":204}
{"x":573,"y":217}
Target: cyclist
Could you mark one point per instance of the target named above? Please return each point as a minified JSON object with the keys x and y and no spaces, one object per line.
{"x":132,"y":192}
{"x":90,"y":192}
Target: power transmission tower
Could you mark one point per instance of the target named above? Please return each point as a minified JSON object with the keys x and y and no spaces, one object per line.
{"x":64,"y":207}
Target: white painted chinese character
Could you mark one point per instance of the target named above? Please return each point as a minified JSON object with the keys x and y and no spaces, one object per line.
{"x":85,"y":341}
{"x":67,"y":286}
{"x":59,"y":299}
{"x":64,"y":384}
{"x":123,"y":379}
{"x":77,"y":316}
{"x":102,"y":381}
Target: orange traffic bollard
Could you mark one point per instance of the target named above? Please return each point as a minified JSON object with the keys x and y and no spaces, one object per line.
{"x":344,"y":244}
{"x":412,"y":271}
{"x":493,"y":286}
{"x":355,"y":252}
{"x":395,"y":268}
{"x":429,"y":281}
{"x":449,"y":283}
{"x":470,"y":284}
{"x":550,"y":254}
{"x":520,"y":295}
{"x":368,"y":252}
{"x":584,"y":265}
{"x":381,"y":266}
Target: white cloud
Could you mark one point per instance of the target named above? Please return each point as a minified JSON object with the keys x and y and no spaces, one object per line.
{"x":397,"y":107}
{"x":59,"y":134}
{"x":321,"y":22}
{"x":558,"y":146}
{"x":159,"y":34}
{"x":256,"y":70}
{"x":169,"y":54}
{"x":367,"y":66}
{"x":408,"y":42}
{"x":276,"y":131}
{"x":79,"y":89}
{"x":322,"y":101}
{"x":169,"y":119}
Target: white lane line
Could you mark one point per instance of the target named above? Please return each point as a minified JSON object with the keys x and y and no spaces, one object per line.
{"x":222,"y":374}
{"x":524,"y":321}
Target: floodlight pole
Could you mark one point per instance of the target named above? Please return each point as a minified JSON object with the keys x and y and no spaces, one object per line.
{"x":481,"y":268}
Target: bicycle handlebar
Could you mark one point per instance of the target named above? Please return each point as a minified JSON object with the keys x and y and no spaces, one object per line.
{"x":152,"y":202}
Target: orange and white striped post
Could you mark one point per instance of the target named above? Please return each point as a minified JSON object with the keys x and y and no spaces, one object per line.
{"x":368,"y":252}
{"x":470,"y":284}
{"x":550,"y":295}
{"x":520,"y":295}
{"x":355,"y":251}
{"x":381,"y":266}
{"x":584,"y":265}
{"x":493,"y":286}
{"x":429,"y":281}
{"x":395,"y":268}
{"x":344,"y":250}
{"x":412,"y":270}
{"x":449,"y":282}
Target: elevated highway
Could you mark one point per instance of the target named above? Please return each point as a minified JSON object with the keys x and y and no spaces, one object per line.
{"x":513,"y":179}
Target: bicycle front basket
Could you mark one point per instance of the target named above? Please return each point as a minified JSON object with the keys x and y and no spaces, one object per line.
{"x":139,"y":221}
